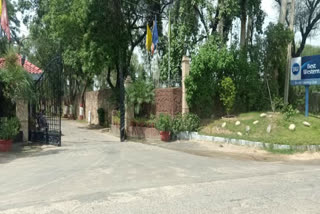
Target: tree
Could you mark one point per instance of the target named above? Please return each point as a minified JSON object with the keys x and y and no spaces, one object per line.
{"x":208,"y":68}
{"x":307,"y":19}
{"x":275,"y":47}
{"x":16,"y":82}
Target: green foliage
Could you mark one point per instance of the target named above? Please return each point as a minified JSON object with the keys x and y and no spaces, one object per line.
{"x":228,"y":94}
{"x":101,"y":116}
{"x":17,"y":83}
{"x":9,"y":129}
{"x":275,"y":54}
{"x":177,"y":124}
{"x":310,"y":50}
{"x":186,"y":122}
{"x":212,"y":63}
{"x":163,"y":122}
{"x":138,"y":93}
{"x":209,"y":67}
{"x":191,"y":122}
{"x":288,"y":112}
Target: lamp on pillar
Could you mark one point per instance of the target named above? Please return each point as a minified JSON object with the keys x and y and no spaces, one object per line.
{"x":129,"y":114}
{"x":185,"y":74}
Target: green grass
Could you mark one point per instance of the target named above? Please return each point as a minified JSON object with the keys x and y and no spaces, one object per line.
{"x":280,"y":133}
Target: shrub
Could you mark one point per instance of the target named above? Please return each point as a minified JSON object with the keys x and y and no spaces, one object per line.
{"x":138,"y":93}
{"x":177,"y":124}
{"x":191,"y":122}
{"x":18,"y":84}
{"x":9,"y":129}
{"x":101,"y":116}
{"x":187,"y":122}
{"x":288,"y":112}
{"x":163,"y":122}
{"x":227,"y":94}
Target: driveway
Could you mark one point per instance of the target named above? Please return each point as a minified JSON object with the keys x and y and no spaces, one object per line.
{"x":94,"y":173}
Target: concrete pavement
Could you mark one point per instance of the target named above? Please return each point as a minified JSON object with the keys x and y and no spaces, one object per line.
{"x":94,"y":173}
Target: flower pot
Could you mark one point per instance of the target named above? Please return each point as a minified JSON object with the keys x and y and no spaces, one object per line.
{"x":165,"y":136}
{"x":5,"y":145}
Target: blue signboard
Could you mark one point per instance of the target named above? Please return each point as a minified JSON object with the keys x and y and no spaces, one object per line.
{"x":305,"y":70}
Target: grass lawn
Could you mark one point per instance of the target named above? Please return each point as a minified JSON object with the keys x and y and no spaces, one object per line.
{"x":280,"y":133}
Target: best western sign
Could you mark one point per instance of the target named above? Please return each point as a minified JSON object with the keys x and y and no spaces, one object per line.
{"x":305,"y":70}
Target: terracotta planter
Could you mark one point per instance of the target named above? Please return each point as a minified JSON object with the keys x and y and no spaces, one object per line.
{"x":5,"y":145}
{"x":165,"y":136}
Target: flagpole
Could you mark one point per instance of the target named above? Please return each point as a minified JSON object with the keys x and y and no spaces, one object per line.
{"x":169,"y":56}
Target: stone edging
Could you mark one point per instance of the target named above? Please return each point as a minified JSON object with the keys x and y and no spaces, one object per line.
{"x":197,"y":136}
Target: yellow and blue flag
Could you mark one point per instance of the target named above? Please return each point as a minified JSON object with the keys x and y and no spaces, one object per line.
{"x":149,"y":38}
{"x":155,"y":37}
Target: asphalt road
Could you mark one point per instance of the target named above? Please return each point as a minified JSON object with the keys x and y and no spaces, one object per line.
{"x":94,"y":173}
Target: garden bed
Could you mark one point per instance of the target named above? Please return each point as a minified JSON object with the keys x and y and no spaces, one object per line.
{"x":280,"y":133}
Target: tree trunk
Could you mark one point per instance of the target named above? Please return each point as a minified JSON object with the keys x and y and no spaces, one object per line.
{"x":249,"y":32}
{"x":221,"y":20}
{"x":283,"y":12}
{"x":243,"y":23}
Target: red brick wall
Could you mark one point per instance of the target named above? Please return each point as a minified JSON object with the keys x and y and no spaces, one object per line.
{"x":138,"y":132}
{"x":168,"y":101}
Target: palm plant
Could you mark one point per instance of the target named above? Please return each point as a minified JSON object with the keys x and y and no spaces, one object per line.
{"x":138,"y":93}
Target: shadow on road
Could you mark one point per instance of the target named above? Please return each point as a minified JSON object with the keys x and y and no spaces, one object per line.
{"x":24,"y":151}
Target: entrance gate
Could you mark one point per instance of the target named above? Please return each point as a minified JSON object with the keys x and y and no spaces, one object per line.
{"x":45,"y":113}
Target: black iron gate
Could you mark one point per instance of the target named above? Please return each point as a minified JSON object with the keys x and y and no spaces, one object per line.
{"x":45,"y":113}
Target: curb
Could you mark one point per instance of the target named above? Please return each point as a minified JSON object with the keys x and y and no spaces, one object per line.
{"x":260,"y":145}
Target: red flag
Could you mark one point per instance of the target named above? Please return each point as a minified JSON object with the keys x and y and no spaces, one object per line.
{"x":5,"y":19}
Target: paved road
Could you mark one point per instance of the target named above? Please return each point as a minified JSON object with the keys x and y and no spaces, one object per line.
{"x":94,"y":173}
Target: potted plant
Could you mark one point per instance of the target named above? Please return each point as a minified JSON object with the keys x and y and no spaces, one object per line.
{"x":8,"y":131}
{"x":163,"y":124}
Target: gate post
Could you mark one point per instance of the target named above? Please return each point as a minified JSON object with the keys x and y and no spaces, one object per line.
{"x":22,"y":115}
{"x":185,"y":74}
{"x":129,"y":110}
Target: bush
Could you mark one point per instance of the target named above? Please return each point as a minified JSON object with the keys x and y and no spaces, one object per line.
{"x":187,"y":122}
{"x":138,"y":93}
{"x":209,"y":66}
{"x":191,"y":122}
{"x":101,"y":116}
{"x":9,"y":129}
{"x":17,"y":83}
{"x":163,"y":122}
{"x":228,"y":94}
{"x":288,"y":112}
{"x":177,"y":124}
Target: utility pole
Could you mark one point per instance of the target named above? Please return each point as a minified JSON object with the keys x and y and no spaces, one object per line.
{"x":289,"y":56}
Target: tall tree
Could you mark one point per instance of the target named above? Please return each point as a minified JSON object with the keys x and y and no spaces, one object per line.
{"x":307,"y":19}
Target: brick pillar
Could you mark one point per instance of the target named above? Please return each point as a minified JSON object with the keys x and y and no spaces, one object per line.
{"x":185,"y":73}
{"x":23,"y":116}
{"x":129,"y":114}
